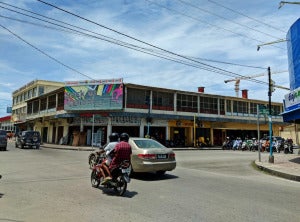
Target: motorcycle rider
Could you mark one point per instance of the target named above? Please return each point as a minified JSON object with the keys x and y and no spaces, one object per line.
{"x":121,"y":152}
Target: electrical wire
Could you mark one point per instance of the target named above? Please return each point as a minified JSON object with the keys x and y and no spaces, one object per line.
{"x":44,"y":53}
{"x":89,"y":30}
{"x":210,"y":24}
{"x":256,"y":20}
{"x":222,"y":17}
{"x":205,"y":67}
{"x":69,"y":30}
{"x":140,"y":41}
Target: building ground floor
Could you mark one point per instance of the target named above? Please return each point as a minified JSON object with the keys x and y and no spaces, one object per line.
{"x":93,"y":130}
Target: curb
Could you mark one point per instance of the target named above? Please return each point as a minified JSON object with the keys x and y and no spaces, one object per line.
{"x":67,"y":148}
{"x":276,"y":173}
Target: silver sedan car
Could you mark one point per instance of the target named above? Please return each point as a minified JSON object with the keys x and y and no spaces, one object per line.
{"x":148,"y":155}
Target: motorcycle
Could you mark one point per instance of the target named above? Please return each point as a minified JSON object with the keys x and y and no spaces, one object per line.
{"x":246,"y":145}
{"x":237,"y":144}
{"x":288,"y":146}
{"x":96,"y":158}
{"x":227,"y":144}
{"x":254,"y":145}
{"x":120,"y":178}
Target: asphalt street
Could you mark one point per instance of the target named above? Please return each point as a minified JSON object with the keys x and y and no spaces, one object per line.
{"x":207,"y":185}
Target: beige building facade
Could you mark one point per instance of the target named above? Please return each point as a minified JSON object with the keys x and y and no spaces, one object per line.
{"x":85,"y":114}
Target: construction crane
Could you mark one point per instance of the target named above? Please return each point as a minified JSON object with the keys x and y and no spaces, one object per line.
{"x":238,"y":79}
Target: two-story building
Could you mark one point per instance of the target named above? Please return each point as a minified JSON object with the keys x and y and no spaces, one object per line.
{"x":31,"y":90}
{"x":86,"y":112}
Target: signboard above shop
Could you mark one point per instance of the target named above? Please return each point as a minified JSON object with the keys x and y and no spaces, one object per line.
{"x":292,"y":100}
{"x":94,"y":95}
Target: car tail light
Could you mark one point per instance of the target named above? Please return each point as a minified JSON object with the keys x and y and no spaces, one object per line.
{"x":147,"y":156}
{"x":172,"y":155}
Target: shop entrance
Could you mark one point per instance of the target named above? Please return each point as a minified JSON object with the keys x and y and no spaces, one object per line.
{"x":178,"y":137}
{"x":203,"y":136}
{"x":45,"y":134}
{"x":157,"y":133}
{"x":218,"y":137}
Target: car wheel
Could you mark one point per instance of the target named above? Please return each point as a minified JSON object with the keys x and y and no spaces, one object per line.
{"x":22,"y":146}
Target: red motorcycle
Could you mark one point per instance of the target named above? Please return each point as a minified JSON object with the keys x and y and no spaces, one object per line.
{"x":120,"y":177}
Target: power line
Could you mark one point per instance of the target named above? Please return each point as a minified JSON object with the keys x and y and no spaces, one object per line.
{"x":222,"y":17}
{"x":72,"y":30}
{"x":120,"y":43}
{"x":41,"y":51}
{"x":133,"y":38}
{"x":204,"y":67}
{"x":207,"y":23}
{"x":237,"y":12}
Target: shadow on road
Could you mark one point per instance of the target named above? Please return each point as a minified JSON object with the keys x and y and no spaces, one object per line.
{"x":152,"y":176}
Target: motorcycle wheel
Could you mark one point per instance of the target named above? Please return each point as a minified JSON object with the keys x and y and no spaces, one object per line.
{"x":121,"y":187}
{"x":95,"y":180}
{"x":92,"y":160}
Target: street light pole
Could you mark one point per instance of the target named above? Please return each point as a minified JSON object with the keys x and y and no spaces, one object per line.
{"x":284,"y":2}
{"x":271,"y":157}
{"x":258,"y":133}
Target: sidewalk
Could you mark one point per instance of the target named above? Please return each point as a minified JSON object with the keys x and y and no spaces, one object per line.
{"x":285,"y":165}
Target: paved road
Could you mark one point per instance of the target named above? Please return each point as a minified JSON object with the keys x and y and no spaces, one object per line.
{"x":54,"y":185}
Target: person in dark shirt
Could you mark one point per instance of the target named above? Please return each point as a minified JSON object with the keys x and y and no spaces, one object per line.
{"x":121,"y":152}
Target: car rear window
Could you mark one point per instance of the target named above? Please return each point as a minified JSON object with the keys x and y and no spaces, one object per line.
{"x":148,"y":144}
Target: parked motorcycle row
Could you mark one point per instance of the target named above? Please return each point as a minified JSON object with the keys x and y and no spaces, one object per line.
{"x":279,"y":144}
{"x":120,"y":176}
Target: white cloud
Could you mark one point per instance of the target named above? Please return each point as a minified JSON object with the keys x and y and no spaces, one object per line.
{"x":202,"y":36}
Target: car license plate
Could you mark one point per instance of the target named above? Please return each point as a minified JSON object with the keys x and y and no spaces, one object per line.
{"x":162,"y":156}
{"x":127,"y":170}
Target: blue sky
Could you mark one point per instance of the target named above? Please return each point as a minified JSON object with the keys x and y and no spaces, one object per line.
{"x":219,"y":35}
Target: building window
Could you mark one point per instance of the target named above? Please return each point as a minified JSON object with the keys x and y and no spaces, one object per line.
{"x":276,"y":110}
{"x":253,"y":108}
{"x":52,"y":101}
{"x":35,"y":108}
{"x":137,"y":98}
{"x":187,"y":103}
{"x":41,"y":90}
{"x":222,"y":106}
{"x":43,"y":104}
{"x":162,"y":100}
{"x":34,"y":92}
{"x":208,"y":105}
{"x":240,"y":108}
{"x":30,"y":94}
{"x":29,"y":108}
{"x":60,"y":99}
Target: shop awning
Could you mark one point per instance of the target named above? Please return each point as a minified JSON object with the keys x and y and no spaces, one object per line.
{"x":291,"y":116}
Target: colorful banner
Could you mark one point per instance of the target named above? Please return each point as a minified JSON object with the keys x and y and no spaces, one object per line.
{"x":90,"y":95}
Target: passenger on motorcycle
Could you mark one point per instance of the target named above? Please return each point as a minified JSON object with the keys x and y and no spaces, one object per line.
{"x":113,"y":140}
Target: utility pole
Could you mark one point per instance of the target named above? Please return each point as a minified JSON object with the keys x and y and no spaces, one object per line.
{"x":271,"y":157}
